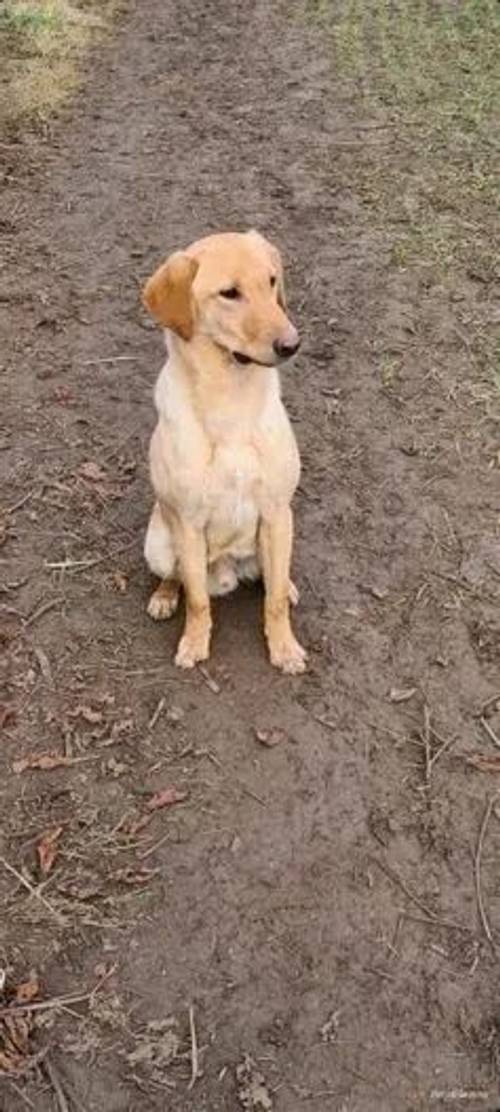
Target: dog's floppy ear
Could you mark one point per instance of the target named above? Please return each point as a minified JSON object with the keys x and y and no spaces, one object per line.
{"x":275,"y":257}
{"x":168,"y":294}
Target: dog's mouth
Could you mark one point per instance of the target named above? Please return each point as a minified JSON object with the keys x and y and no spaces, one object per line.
{"x":246,"y":360}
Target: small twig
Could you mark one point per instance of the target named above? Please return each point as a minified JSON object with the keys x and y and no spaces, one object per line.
{"x":58,"y":1001}
{"x":427,"y":744}
{"x":81,"y":565}
{"x":44,"y":609}
{"x":152,"y":849}
{"x":112,"y":359}
{"x":33,"y":891}
{"x":62,"y":1103}
{"x":442,"y":749}
{"x":414,"y":899}
{"x":490,"y":731}
{"x":212,"y":684}
{"x":489,"y":703}
{"x":253,"y":795}
{"x":477,"y":870}
{"x":23,"y":1096}
{"x":156,"y":714}
{"x":194,"y":1049}
{"x":379,"y":973}
{"x":22,"y":502}
{"x":324,"y":722}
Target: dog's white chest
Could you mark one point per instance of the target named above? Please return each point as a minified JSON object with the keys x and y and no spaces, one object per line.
{"x":232,"y":486}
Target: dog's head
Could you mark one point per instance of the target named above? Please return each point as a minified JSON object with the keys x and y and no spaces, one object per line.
{"x":228,"y":289}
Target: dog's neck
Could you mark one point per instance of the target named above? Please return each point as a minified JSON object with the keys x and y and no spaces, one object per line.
{"x":215,"y":382}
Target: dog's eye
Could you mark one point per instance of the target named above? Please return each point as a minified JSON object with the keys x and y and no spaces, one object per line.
{"x":273,"y":280}
{"x":232,"y":294}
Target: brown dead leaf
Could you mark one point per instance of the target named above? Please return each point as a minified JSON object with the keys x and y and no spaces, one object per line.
{"x":92,"y":471}
{"x":8,"y":715}
{"x":270,"y":738}
{"x":14,"y":1042}
{"x":44,"y":761}
{"x":120,"y":581}
{"x":28,"y":990}
{"x":47,"y":849}
{"x":166,"y":798}
{"x":484,"y":763}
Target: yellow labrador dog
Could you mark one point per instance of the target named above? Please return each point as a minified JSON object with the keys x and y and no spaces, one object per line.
{"x":224,"y":461}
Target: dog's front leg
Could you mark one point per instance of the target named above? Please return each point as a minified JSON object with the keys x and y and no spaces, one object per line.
{"x":191,"y":549}
{"x":276,"y":535}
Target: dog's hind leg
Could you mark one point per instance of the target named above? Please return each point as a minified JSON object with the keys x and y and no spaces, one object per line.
{"x":160,"y":557}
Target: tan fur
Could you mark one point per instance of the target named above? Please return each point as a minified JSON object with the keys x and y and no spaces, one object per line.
{"x":223,"y":457}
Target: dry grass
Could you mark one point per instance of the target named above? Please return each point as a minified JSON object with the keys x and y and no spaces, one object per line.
{"x":41,"y":42}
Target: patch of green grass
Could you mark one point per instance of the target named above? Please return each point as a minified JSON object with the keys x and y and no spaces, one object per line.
{"x":23,"y":19}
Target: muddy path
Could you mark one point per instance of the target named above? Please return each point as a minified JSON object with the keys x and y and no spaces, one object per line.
{"x":313,"y":903}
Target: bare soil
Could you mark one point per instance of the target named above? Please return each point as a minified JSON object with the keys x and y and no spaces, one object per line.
{"x":309,"y":911}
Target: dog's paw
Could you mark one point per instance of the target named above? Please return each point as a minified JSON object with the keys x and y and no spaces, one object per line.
{"x":288,"y":656}
{"x":192,"y":649}
{"x":293,"y":594}
{"x":163,"y":602}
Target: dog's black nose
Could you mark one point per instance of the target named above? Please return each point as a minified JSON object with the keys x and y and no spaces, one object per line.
{"x":285,"y":350}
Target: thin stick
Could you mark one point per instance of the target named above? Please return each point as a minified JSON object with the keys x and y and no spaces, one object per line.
{"x":41,"y":611}
{"x":427,"y":744}
{"x":477,"y":870}
{"x":194,"y":1049}
{"x":57,"y":1001}
{"x":33,"y":891}
{"x":155,"y":716}
{"x":62,"y":1103}
{"x":21,"y":1095}
{"x":414,"y":899}
{"x":153,"y":848}
{"x":442,"y":749}
{"x":112,"y":359}
{"x":64,"y":565}
{"x":22,"y":502}
{"x":324,"y":722}
{"x":490,"y":731}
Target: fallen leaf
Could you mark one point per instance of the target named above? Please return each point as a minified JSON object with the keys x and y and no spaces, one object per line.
{"x":92,"y":471}
{"x":14,"y":1042}
{"x":136,"y":876}
{"x":27,"y":990}
{"x":329,"y":1031}
{"x":166,"y":798}
{"x":44,"y":761}
{"x":120,"y":581}
{"x":402,"y":694}
{"x":271,"y":737}
{"x":484,"y":763}
{"x":252,"y":1091}
{"x":8,"y":715}
{"x":47,"y":849}
{"x":87,"y":713}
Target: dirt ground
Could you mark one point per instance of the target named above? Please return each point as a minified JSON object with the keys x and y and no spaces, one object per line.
{"x":318,"y":919}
